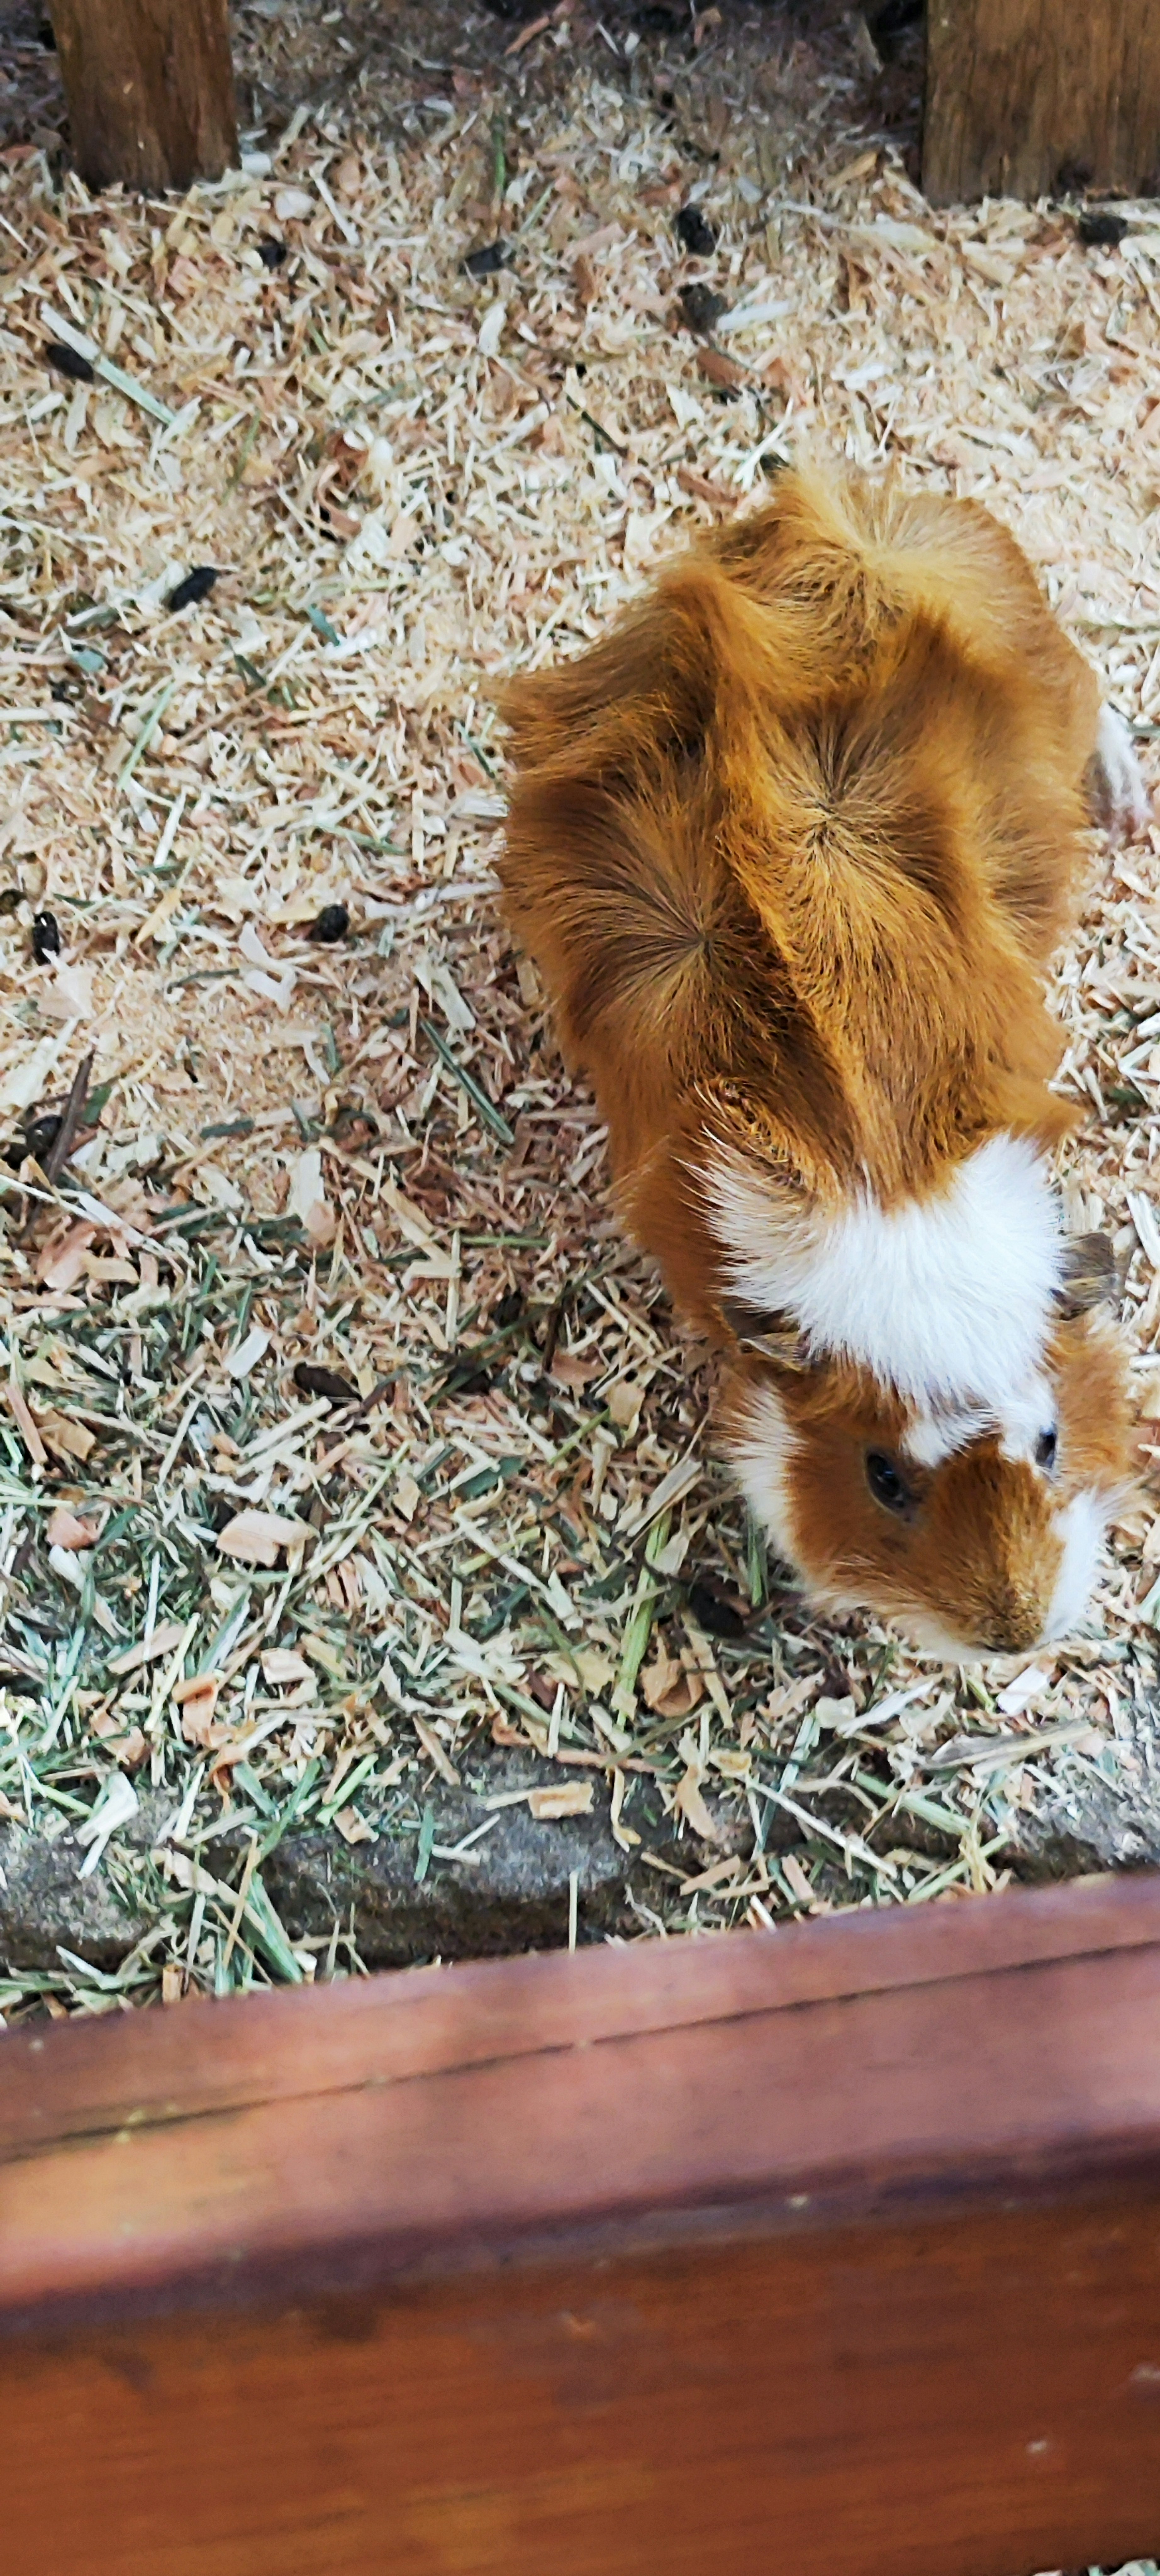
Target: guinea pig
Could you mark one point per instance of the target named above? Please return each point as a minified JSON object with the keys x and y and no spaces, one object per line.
{"x":791,"y":847}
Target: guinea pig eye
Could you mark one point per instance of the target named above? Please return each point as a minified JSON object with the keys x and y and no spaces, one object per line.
{"x":886,"y":1484}
{"x":1045,"y":1449}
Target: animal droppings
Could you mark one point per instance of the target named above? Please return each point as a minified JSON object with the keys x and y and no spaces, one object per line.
{"x":718,"y":1616}
{"x":46,"y":939}
{"x":272,"y":253}
{"x":1099,"y":231}
{"x":486,"y":262}
{"x":69,"y":362}
{"x":332,"y":925}
{"x":701,"y":308}
{"x":694,"y":233}
{"x":311,"y":1380}
{"x":196,"y":586}
{"x":35,"y":1140}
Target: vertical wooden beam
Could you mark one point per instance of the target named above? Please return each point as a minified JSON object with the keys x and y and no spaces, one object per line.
{"x":1020,"y":91}
{"x":150,"y":90}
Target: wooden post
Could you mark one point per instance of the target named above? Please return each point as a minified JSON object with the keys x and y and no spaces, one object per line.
{"x":150,"y":90}
{"x":1027,"y":96}
{"x":838,"y":2247}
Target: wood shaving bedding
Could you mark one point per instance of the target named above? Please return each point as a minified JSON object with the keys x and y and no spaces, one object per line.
{"x":342,"y":1431}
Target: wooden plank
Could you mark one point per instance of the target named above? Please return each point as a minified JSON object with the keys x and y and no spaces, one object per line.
{"x":150,"y":90}
{"x":840,"y":2245}
{"x":146,"y":2067}
{"x":1026,"y":96}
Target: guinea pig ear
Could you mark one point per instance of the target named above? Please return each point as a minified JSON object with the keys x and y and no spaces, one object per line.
{"x":769,"y":1337}
{"x":1089,"y":1274}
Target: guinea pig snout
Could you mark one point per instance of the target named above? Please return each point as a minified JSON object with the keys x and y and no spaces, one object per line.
{"x":1013,"y":1621}
{"x":1033,"y":1584}
{"x":1010,"y":1561}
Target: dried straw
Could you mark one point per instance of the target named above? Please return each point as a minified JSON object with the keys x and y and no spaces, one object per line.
{"x":237,"y":1591}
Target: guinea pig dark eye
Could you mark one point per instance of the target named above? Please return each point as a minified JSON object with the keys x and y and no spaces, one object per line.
{"x":1045,"y":1449}
{"x":886,"y":1484}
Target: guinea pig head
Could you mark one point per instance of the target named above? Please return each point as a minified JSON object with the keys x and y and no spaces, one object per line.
{"x":975,"y":1534}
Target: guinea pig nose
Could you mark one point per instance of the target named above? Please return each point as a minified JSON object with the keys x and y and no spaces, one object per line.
{"x":1013,"y":1624}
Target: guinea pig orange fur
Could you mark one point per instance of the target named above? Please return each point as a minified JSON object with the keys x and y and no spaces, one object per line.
{"x":791,"y":847}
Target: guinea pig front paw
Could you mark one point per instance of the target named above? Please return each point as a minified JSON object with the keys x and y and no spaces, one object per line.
{"x":1117,"y":794}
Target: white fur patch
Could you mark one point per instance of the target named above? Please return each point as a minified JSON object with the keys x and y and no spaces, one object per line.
{"x":1127,"y":796}
{"x":760,"y":1451}
{"x":1019,"y":1427}
{"x":932,"y":1437}
{"x":946,"y":1298}
{"x":937,"y":1642}
{"x":1081,"y":1527}
{"x":1024,"y":1420}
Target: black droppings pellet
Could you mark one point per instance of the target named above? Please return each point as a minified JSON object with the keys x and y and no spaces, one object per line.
{"x":9,"y":898}
{"x":37,"y":1138}
{"x":509,"y":1309}
{"x":486,"y":262}
{"x":196,"y":585}
{"x":717,"y":1616}
{"x":332,"y":925}
{"x":40,"y":1133}
{"x":694,"y":233}
{"x":69,"y":362}
{"x":45,"y":937}
{"x":1099,"y":231}
{"x":702,"y":309}
{"x":310,"y":1380}
{"x":272,"y":253}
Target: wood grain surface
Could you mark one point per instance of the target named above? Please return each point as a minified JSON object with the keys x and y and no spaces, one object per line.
{"x":1028,"y":96}
{"x":150,"y":90}
{"x":834,"y":2245}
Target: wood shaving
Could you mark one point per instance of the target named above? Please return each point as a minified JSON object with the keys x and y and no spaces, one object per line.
{"x":360,"y":1154}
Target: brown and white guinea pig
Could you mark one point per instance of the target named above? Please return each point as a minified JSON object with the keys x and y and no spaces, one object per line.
{"x":791,"y":847}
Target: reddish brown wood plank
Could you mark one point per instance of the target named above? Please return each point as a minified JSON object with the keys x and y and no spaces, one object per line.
{"x":976,"y":2085}
{"x":150,"y":90}
{"x":835,"y":2246}
{"x":963,"y":2398}
{"x":64,"y":2081}
{"x":1027,"y":95}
